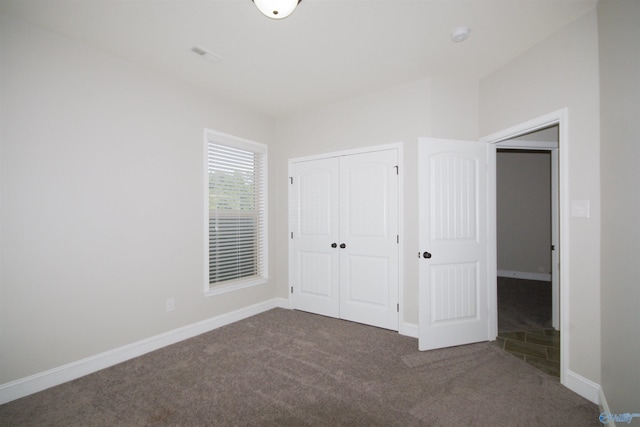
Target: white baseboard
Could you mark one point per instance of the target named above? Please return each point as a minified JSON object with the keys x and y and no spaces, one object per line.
{"x":583,"y":386}
{"x":604,"y":407}
{"x":52,"y":377}
{"x":574,"y":382}
{"x":542,"y":277}
{"x":409,"y":330}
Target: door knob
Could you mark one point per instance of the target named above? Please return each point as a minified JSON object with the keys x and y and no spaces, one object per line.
{"x":426,"y":255}
{"x":342,"y":245}
{"x":334,"y":245}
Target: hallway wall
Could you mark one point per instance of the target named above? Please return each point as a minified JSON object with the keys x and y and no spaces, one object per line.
{"x":524,"y":212}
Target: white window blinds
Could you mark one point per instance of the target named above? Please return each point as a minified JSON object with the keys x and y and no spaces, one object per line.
{"x":237,"y":211}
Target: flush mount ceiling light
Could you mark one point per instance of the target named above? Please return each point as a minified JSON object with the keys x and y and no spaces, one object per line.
{"x":276,"y":9}
{"x":460,"y":34}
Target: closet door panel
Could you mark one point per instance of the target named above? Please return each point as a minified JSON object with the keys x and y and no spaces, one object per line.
{"x":369,"y":232}
{"x":314,"y":222}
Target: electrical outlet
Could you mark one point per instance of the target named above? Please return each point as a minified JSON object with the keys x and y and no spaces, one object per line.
{"x":171,"y":304}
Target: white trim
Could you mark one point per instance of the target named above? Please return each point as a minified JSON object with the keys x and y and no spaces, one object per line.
{"x":542,"y":277}
{"x":533,"y":125}
{"x":409,"y":329}
{"x":604,"y":406}
{"x":56,"y":376}
{"x":370,"y":149}
{"x":492,"y":241}
{"x":552,"y":147}
{"x":528,"y":144}
{"x":555,"y":241}
{"x":235,"y":285}
{"x":234,"y":141}
{"x":561,"y":118}
{"x":583,"y":386}
{"x":400,"y":147}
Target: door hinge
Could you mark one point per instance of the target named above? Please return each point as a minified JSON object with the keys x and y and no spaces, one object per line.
{"x":292,"y":289}
{"x":398,"y":307}
{"x":553,"y":247}
{"x":292,"y":234}
{"x":397,"y":238}
{"x":291,"y":179}
{"x":397,"y":170}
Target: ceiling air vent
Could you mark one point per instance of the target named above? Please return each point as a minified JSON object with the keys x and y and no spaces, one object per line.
{"x":205,"y":54}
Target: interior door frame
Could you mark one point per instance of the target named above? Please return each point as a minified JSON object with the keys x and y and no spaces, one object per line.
{"x":552,"y":149}
{"x":391,"y":146}
{"x":560,"y":118}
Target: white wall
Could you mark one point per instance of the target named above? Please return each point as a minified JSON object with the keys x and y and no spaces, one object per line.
{"x":562,"y":72}
{"x":454,"y":109}
{"x":620,"y":135}
{"x":524,"y":211}
{"x":400,"y":114}
{"x":102,"y":201}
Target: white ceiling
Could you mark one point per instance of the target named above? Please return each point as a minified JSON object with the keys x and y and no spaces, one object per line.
{"x":326,"y":50}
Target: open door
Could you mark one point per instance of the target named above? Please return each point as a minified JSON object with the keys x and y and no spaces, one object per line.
{"x":452,"y":197}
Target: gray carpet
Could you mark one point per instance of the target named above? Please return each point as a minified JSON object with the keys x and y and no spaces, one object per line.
{"x":289,"y":368}
{"x":523,"y":305}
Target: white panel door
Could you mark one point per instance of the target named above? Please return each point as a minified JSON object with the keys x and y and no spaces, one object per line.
{"x":369,"y":234}
{"x":452,"y":200}
{"x":314,"y":222}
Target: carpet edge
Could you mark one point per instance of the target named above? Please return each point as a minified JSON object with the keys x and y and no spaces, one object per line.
{"x":61,"y":374}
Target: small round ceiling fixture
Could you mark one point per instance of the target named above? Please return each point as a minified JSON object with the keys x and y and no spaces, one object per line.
{"x":276,"y":9}
{"x":460,"y":34}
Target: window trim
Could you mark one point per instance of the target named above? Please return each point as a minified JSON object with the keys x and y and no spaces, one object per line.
{"x":256,"y":147}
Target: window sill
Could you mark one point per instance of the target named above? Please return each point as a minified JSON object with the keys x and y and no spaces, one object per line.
{"x":234,"y":286}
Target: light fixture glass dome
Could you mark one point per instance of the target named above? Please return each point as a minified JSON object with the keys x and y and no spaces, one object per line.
{"x":276,"y":9}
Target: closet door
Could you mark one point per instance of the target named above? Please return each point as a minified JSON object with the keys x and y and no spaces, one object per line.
{"x":314,"y":222}
{"x":369,"y":233}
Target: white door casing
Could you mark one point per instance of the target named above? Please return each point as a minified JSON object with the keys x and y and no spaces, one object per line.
{"x":552,"y":148}
{"x":555,"y":242}
{"x":453,"y":235}
{"x":344,"y":220}
{"x":561,"y":119}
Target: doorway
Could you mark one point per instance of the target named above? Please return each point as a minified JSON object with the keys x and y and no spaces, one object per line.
{"x":527,"y":243}
{"x":486,"y":275}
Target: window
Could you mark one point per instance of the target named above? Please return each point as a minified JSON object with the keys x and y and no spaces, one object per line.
{"x":237,"y":216}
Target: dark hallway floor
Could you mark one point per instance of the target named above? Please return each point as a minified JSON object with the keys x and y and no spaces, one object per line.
{"x":524,"y":323}
{"x":523,"y":305}
{"x":539,"y":348}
